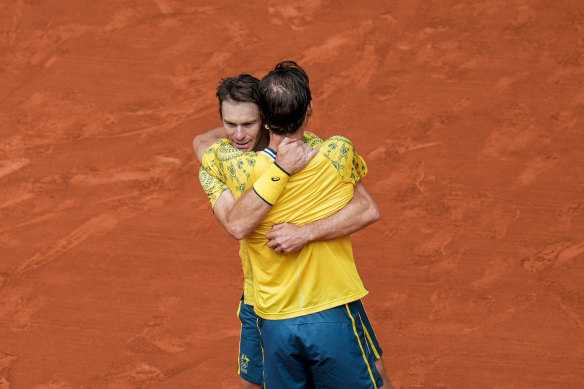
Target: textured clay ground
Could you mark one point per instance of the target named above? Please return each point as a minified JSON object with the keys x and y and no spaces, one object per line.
{"x":470,"y":114}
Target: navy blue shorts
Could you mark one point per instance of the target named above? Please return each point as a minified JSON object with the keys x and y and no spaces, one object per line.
{"x":327,"y":349}
{"x":250,"y":360}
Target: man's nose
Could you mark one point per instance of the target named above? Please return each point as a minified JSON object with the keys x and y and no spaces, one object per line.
{"x":239,"y":134}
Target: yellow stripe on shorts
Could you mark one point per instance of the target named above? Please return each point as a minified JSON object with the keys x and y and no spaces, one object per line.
{"x":240,"y":332}
{"x":377,"y":356}
{"x":361,"y":346}
{"x":262,"y":346}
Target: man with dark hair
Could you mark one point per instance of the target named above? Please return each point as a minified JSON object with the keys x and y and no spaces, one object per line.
{"x":242,"y":124}
{"x":238,"y":109}
{"x":285,"y":98}
{"x":243,"y":89}
{"x":308,"y":301}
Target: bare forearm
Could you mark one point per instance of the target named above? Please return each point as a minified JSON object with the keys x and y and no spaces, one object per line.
{"x":206,"y":139}
{"x":357,"y":214}
{"x":251,"y":208}
{"x":239,"y":218}
{"x":246,"y":214}
{"x":360,"y":212}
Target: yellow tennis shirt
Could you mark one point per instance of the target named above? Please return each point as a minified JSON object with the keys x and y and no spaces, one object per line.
{"x":323,"y":274}
{"x":223,"y":168}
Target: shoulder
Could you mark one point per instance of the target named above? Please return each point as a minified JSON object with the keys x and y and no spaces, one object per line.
{"x":210,"y":155}
{"x":337,"y":144}
{"x":222,"y":152}
{"x":217,"y":145}
{"x":341,"y":153}
{"x":311,"y":139}
{"x":339,"y":139}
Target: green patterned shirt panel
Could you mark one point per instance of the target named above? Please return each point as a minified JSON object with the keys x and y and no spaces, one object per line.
{"x":341,"y":152}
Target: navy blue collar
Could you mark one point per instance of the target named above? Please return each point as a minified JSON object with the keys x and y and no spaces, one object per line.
{"x":269,"y":152}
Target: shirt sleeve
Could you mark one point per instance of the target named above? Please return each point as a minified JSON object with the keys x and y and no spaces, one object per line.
{"x":211,"y":185}
{"x":211,"y":178}
{"x":224,"y":167}
{"x":312,"y":139}
{"x":341,"y":152}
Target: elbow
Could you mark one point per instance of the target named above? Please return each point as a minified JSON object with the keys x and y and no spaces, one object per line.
{"x":239,"y":235}
{"x":373,"y":213}
{"x":197,"y":149}
{"x":196,"y":143}
{"x":237,"y":232}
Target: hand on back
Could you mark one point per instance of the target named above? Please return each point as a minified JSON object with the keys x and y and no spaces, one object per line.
{"x":293,"y":155}
{"x":285,"y":238}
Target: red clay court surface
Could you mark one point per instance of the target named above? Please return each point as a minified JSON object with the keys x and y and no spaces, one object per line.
{"x":470,"y":114}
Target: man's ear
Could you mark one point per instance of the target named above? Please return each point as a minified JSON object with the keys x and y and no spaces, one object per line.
{"x":309,"y":109}
{"x":264,"y":123}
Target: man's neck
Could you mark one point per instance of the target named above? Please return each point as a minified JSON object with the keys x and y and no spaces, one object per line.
{"x":276,"y":139}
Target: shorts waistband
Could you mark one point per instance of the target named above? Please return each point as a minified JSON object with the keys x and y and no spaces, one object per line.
{"x":331,"y":315}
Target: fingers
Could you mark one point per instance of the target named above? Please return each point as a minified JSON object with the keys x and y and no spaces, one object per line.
{"x":278,"y":226}
{"x":312,"y":153}
{"x":294,"y":155}
{"x":281,"y":250}
{"x":287,"y":141}
{"x":315,"y":151}
{"x":274,"y":231}
{"x":305,"y":152}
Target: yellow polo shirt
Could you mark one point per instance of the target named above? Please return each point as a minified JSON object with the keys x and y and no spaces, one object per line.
{"x":233,"y":172}
{"x":323,"y":274}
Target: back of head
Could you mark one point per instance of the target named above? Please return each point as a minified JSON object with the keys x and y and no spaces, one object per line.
{"x":284,"y":97}
{"x":242,"y":89}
